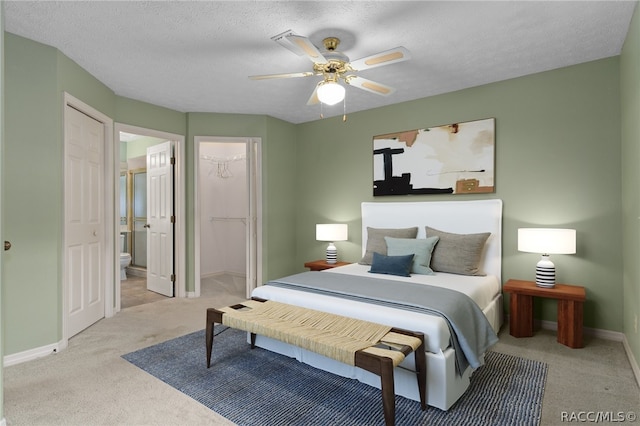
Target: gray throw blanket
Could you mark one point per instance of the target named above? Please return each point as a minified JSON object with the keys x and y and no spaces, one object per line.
{"x":471,"y":333}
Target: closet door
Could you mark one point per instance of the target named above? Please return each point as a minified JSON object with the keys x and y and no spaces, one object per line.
{"x":84,"y":220}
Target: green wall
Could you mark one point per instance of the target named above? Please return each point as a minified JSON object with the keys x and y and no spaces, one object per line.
{"x":32,"y":196}
{"x":279,"y":200}
{"x":630,"y":101}
{"x":557,"y":164}
{"x":137,"y":148}
{"x":142,"y":114}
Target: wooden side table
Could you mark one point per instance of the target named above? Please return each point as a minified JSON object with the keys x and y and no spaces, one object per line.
{"x":570,"y":309}
{"x":321,"y":265}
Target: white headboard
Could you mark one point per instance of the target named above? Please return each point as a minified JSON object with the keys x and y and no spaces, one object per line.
{"x":460,"y":217}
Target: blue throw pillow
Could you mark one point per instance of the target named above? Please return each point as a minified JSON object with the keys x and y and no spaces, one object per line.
{"x":421,"y":248}
{"x":391,"y":265}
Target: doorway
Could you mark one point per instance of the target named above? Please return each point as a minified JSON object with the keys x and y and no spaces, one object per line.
{"x":228,"y":218}
{"x":133,"y":220}
{"x":144,"y":159}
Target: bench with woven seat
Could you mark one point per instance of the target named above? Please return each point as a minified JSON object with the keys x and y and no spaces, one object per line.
{"x":373,"y":347}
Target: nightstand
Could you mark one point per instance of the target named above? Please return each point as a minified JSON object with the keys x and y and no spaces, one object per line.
{"x":321,"y":265}
{"x":570,"y":310}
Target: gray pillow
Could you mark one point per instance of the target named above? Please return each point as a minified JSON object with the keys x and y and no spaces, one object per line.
{"x":421,"y":248}
{"x":457,"y":253}
{"x":376,"y":243}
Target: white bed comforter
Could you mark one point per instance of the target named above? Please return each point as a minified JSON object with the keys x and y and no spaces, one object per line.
{"x":482,"y":290}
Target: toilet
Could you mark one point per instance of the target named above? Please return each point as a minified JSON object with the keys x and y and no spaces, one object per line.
{"x":125,"y":258}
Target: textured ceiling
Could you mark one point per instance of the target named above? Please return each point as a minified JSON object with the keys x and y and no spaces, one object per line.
{"x":197,"y":55}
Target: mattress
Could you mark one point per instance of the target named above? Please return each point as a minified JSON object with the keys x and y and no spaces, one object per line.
{"x":481,"y":289}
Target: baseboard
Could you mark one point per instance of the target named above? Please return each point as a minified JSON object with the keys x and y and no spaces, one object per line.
{"x":31,"y":354}
{"x":215,"y":274}
{"x":632,"y":360}
{"x":615,"y":336}
{"x":136,"y":272}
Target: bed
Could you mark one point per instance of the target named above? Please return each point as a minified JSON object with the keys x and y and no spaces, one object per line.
{"x":447,"y":375}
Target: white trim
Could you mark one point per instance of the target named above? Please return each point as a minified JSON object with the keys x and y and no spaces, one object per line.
{"x":197,"y":140}
{"x":218,"y":273}
{"x":258,"y":228}
{"x":180,"y":240}
{"x":196,"y":216}
{"x":109,"y":243}
{"x":604,"y":334}
{"x":31,"y":354}
{"x":180,"y":202}
{"x":632,"y":360}
{"x":615,"y":336}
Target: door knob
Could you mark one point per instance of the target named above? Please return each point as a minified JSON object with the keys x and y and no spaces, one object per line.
{"x":146,"y":225}
{"x":7,"y":245}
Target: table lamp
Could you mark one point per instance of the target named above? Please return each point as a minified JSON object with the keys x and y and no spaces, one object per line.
{"x":546,"y":241}
{"x":331,"y":232}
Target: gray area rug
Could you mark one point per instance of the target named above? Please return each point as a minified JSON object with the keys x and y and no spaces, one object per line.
{"x":258,"y":387}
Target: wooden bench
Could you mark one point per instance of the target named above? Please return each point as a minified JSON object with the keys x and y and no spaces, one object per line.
{"x":379,"y":358}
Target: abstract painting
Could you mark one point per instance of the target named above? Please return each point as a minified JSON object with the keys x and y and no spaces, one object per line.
{"x":454,"y":158}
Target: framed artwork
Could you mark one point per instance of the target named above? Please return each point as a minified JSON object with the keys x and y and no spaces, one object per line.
{"x":456,"y":158}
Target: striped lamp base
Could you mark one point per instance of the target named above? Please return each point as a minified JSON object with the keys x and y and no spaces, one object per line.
{"x":332,"y":254}
{"x":545,"y":272}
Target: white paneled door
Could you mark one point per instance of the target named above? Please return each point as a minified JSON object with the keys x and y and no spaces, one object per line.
{"x":160,"y":219}
{"x":84,"y":220}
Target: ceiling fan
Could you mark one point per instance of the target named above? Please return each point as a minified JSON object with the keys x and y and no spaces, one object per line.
{"x":334,"y":66}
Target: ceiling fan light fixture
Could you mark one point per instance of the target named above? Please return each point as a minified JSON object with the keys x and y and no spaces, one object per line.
{"x":330,"y":92}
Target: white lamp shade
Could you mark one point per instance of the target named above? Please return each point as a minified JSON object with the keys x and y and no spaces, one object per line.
{"x":547,"y":240}
{"x":331,"y":232}
{"x":330,"y":92}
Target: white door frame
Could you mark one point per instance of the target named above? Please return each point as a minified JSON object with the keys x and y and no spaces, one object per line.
{"x":180,"y":202}
{"x":109,"y":242}
{"x":256,"y":218}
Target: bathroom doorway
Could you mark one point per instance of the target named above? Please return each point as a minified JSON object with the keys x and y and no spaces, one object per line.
{"x":228,"y":216}
{"x":135,"y":218}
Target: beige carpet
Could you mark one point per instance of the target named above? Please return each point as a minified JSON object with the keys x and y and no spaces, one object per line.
{"x":133,"y":292}
{"x":90,"y":384}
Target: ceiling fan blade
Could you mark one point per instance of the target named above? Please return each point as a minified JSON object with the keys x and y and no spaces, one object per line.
{"x":313,"y":99}
{"x":300,"y":45}
{"x":306,"y":48}
{"x":369,"y":86}
{"x":387,"y":57}
{"x":285,"y":75}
